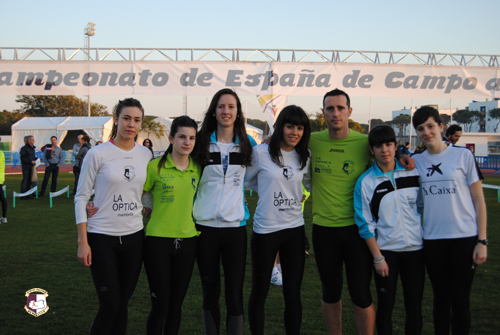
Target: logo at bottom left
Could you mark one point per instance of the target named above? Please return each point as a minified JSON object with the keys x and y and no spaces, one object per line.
{"x":36,"y":304}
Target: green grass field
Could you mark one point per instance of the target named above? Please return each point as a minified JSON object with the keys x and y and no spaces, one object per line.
{"x":38,"y":250}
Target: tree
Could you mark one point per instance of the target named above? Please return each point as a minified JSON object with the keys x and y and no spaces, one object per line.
{"x":356,"y":126}
{"x":495,"y":114}
{"x":58,"y":105}
{"x":445,"y":118}
{"x":376,"y":122}
{"x":402,"y":121}
{"x":365,"y":126}
{"x":7,"y":119}
{"x":318,"y":122}
{"x":465,"y":117}
{"x":150,"y":126}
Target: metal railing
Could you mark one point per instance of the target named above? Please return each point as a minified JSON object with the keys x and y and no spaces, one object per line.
{"x":246,"y":55}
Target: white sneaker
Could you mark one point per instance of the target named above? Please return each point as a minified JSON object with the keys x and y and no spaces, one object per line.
{"x":277,"y":278}
{"x":3,"y":220}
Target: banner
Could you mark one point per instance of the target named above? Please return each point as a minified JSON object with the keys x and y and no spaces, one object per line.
{"x":280,"y":78}
{"x":271,"y":107}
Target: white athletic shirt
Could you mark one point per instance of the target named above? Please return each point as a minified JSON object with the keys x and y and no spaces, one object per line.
{"x":445,"y":180}
{"x":118,"y":178}
{"x":279,"y":188}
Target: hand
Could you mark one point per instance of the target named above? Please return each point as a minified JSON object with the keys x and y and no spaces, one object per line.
{"x":382,"y":269}
{"x":480,"y":254}
{"x":266,"y":140}
{"x":303,"y":198}
{"x":245,"y":198}
{"x":147,"y":212}
{"x":84,"y":254}
{"x":91,"y":210}
{"x":407,"y":162}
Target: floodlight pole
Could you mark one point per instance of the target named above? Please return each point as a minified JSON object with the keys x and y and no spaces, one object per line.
{"x":89,"y":31}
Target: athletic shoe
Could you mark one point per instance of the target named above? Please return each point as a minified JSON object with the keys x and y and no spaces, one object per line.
{"x":277,"y":278}
{"x":3,"y":220}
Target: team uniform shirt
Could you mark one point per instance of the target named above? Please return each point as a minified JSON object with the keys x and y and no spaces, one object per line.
{"x":173,"y":193}
{"x":219,"y":200}
{"x":445,"y":185}
{"x":279,"y":188}
{"x":386,"y":207}
{"x":118,"y":178}
{"x":336,"y":165}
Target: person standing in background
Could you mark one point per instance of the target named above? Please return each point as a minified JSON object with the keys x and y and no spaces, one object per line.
{"x":53,"y":158}
{"x":76,"y":167}
{"x":28,"y":159}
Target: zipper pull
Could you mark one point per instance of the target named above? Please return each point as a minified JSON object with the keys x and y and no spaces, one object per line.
{"x":224,"y":180}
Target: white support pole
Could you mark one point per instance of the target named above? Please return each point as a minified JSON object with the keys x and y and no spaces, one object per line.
{"x":411,"y":121}
{"x":370,"y":116}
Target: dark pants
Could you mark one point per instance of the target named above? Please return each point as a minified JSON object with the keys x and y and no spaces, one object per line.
{"x":290,"y":244}
{"x":451,"y":270}
{"x":169,"y":265}
{"x":54,"y":169}
{"x":26,"y":182}
{"x":76,"y":172}
{"x":4,"y":202}
{"x":116,"y":265}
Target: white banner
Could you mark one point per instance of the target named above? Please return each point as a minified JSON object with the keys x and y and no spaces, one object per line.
{"x":205,"y":78}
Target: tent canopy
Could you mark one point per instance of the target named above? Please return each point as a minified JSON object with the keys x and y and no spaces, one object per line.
{"x":43,"y":128}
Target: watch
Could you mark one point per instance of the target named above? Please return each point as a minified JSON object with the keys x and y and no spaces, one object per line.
{"x":485,"y":242}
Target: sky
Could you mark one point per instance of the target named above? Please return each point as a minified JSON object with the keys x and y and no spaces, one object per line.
{"x":413,"y":26}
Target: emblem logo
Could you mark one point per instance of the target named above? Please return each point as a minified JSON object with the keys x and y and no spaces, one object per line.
{"x":287,"y":172}
{"x":129,"y":173}
{"x":434,"y":168}
{"x":36,"y":304}
{"x":348,"y":167}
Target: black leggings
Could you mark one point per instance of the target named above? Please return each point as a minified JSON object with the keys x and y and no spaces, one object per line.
{"x":230,"y":246}
{"x":290,"y":244}
{"x":3,"y":201}
{"x":451,"y":270}
{"x":410,"y":265}
{"x":334,"y":246}
{"x":169,"y":265}
{"x":116,"y":265}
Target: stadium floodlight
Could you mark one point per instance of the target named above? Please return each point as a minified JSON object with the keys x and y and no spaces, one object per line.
{"x":89,"y":31}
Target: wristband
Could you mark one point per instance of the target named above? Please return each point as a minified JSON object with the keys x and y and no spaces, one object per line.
{"x":378,"y":260}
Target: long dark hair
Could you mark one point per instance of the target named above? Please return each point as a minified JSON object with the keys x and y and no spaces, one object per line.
{"x":181,"y":121}
{"x":209,"y":125}
{"x":296,"y":116}
{"x":129,"y":102}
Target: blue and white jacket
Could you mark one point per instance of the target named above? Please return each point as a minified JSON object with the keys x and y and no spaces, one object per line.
{"x":389,"y":212}
{"x":220,"y":199}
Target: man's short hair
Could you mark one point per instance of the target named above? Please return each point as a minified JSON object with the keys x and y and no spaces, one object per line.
{"x":423,"y":113}
{"x":53,"y":137}
{"x":86,"y":138}
{"x":336,"y":92}
{"x":407,"y":144}
{"x":381,"y":134}
{"x":453,"y":129}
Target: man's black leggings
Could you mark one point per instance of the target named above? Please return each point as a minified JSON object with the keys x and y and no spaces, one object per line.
{"x":290,"y":244}
{"x":116,"y":265}
{"x":169,"y":265}
{"x":451,"y":270}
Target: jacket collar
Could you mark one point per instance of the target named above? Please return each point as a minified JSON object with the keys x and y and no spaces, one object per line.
{"x":378,"y":173}
{"x":213,"y":138}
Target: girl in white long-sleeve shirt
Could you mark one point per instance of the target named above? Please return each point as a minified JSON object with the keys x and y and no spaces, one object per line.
{"x":276,"y":174}
{"x":111,"y":241}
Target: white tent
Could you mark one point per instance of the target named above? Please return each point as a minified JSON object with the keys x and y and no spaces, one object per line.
{"x":42,"y":128}
{"x":255,"y":132}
